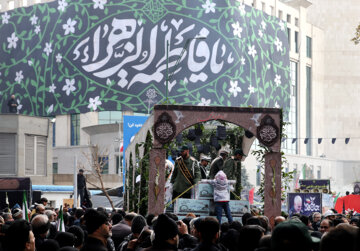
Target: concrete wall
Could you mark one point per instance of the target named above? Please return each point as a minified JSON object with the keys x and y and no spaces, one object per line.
{"x":110,"y":180}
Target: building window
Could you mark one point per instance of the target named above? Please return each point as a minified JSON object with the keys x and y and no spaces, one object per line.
{"x":308,"y":47}
{"x":263,"y":7}
{"x":103,"y":161}
{"x":280,"y":15}
{"x":258,"y":175}
{"x":296,"y":22}
{"x":288,"y":18}
{"x":272,"y":10}
{"x":289,"y":37}
{"x":7,"y":153}
{"x":54,"y":135}
{"x":253,"y":3}
{"x":35,"y":155}
{"x":110,"y":117}
{"x":308,"y":109}
{"x":296,"y":38}
{"x":291,"y":128}
{"x":55,"y":167}
{"x":318,"y":174}
{"x":75,"y":129}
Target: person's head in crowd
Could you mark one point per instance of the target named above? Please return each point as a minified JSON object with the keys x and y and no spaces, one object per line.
{"x":41,"y":225}
{"x":17,"y":213}
{"x":250,"y":236}
{"x":19,"y":236}
{"x":65,"y":239}
{"x":338,"y":239}
{"x":195,"y":227}
{"x":138,"y":224}
{"x":354,"y":221}
{"x":316,"y":217}
{"x":172,"y":216}
{"x":116,"y":218}
{"x":255,"y":211}
{"x":245,"y":217}
{"x":40,"y":209}
{"x":71,"y":220}
{"x":101,"y":209}
{"x":122,"y":212}
{"x":224,"y":227}
{"x":44,"y":201}
{"x":49,"y":245}
{"x":329,"y":214}
{"x":190,"y":215}
{"x":265,"y":223}
{"x":236,"y":225}
{"x":129,"y":217}
{"x":304,"y":219}
{"x":185,"y":152}
{"x":149,"y":219}
{"x":253,"y":221}
{"x":8,"y":217}
{"x":230,"y":239}
{"x":2,"y":221}
{"x":285,"y":215}
{"x":291,"y":235}
{"x":78,"y":213}
{"x":186,"y":221}
{"x":97,"y":224}
{"x":79,"y":236}
{"x":166,"y":232}
{"x":265,"y":242}
{"x":209,"y":230}
{"x":279,"y":219}
{"x":51,"y":215}
{"x":326,"y":225}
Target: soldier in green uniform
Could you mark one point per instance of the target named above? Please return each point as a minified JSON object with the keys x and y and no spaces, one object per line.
{"x":218,"y":163}
{"x":186,"y":173}
{"x":232,"y":169}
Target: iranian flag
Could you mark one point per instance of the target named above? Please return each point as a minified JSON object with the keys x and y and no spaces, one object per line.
{"x":25,"y":207}
{"x":60,"y":223}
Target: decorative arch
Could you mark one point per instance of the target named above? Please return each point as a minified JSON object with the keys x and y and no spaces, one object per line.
{"x":263,"y":123}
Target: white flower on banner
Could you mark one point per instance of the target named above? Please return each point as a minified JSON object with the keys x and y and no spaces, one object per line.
{"x":52,"y":88}
{"x":261,"y":34}
{"x":204,"y":102}
{"x":277,"y":105}
{"x":251,"y":89}
{"x":50,"y":109}
{"x":277,"y":80}
{"x":237,"y":29}
{"x":19,"y":106}
{"x":58,"y":58}
{"x":47,"y":49}
{"x":30,"y":63}
{"x":242,"y":9}
{"x":94,"y":102}
{"x":12,"y":41}
{"x":151,"y":93}
{"x":108,"y":82}
{"x":268,"y":66}
{"x":33,"y":19}
{"x":252,"y":51}
{"x":69,"y":86}
{"x":5,"y":18}
{"x":62,"y":5}
{"x":69,"y":26}
{"x":278,"y":44}
{"x":282,"y":25}
{"x":234,"y":89}
{"x":37,"y":29}
{"x":19,"y":76}
{"x":242,"y":61}
{"x":99,"y":4}
{"x":209,"y":6}
{"x":263,"y":25}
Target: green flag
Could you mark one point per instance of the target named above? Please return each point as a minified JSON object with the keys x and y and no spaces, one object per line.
{"x":25,"y":207}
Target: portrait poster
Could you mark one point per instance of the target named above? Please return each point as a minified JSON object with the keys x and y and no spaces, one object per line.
{"x":304,"y":203}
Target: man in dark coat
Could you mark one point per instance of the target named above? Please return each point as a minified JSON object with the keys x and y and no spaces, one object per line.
{"x":12,"y":104}
{"x":218,"y":163}
{"x":81,"y":185}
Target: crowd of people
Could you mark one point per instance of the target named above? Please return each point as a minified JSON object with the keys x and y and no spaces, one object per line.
{"x":96,"y":229}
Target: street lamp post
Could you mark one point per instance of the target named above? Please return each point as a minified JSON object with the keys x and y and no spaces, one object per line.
{"x":168,"y":78}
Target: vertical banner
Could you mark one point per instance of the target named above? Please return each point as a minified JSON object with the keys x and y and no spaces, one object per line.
{"x":132,"y":125}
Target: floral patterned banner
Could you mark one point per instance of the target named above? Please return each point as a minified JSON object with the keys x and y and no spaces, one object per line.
{"x":79,"y":56}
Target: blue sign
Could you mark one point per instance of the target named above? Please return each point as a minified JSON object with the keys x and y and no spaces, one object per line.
{"x":132,"y":125}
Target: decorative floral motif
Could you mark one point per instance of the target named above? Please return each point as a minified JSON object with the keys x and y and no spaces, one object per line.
{"x":52,"y":88}
{"x":209,"y":7}
{"x":69,"y":26}
{"x":204,"y":102}
{"x":99,"y":4}
{"x":237,"y":29}
{"x":19,"y":106}
{"x":58,"y":58}
{"x":278,"y":44}
{"x":69,"y":86}
{"x":252,"y":51}
{"x":268,"y":132}
{"x":47,"y":49}
{"x":37,"y":29}
{"x":242,"y":9}
{"x":151,"y":93}
{"x":282,"y":25}
{"x":234,"y":89}
{"x":30,"y":63}
{"x":260,"y":33}
{"x":5,"y":18}
{"x":94,"y":103}
{"x":12,"y":41}
{"x":164,"y":128}
{"x":251,"y":89}
{"x":277,"y":80}
{"x":33,"y":19}
{"x":19,"y":76}
{"x":263,"y":25}
{"x":50,"y":109}
{"x":242,"y":61}
{"x":62,"y":5}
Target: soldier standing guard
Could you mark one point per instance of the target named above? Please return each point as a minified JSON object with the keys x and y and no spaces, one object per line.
{"x":186,"y":173}
{"x":204,"y":166}
{"x":232,"y":169}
